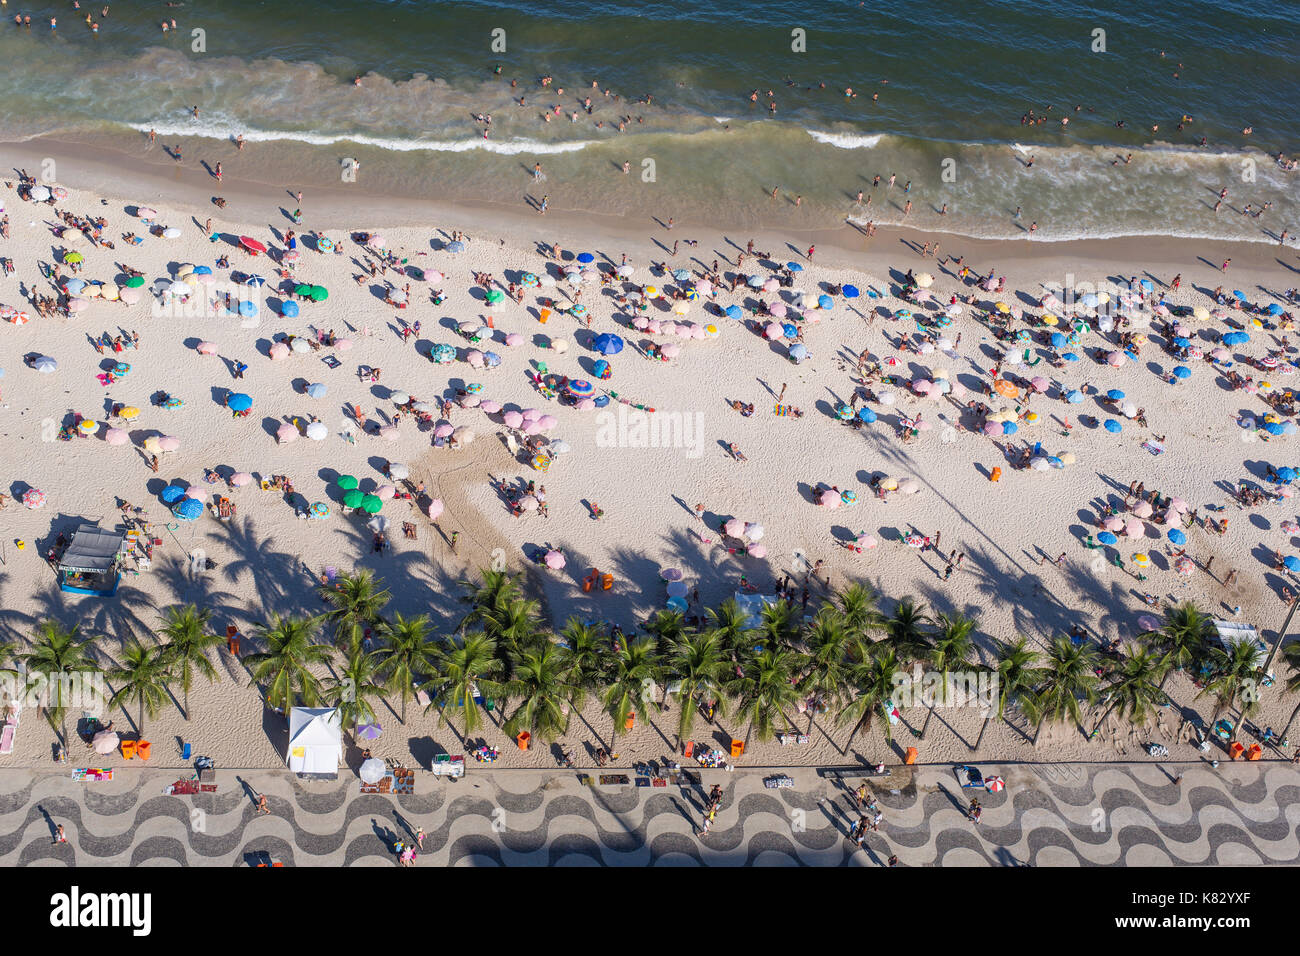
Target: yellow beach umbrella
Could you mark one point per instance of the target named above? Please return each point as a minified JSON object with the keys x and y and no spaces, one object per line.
{"x":1200,"y":313}
{"x":90,"y":290}
{"x":889,"y":484}
{"x":109,"y":292}
{"x":129,"y":412}
{"x":1141,"y":560}
{"x":1050,"y":319}
{"x":1002,"y":307}
{"x":151,"y":445}
{"x":88,"y":426}
{"x":1067,"y":458}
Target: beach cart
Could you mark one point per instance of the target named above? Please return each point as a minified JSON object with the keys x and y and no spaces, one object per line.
{"x":448,"y":765}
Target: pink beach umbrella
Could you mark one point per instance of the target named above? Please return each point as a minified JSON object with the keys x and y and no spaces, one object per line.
{"x":342,"y":345}
{"x":444,"y":430}
{"x":529,"y":503}
{"x":241,"y":478}
{"x":474,"y":357}
{"x":279,"y":351}
{"x":586,"y":404}
{"x":1179,"y":505}
{"x":771,"y":285}
{"x":1115,"y":359}
{"x":829,"y":499}
{"x":168,"y":443}
{"x":286,"y":433}
{"x":547,"y":422}
{"x":531,"y":414}
{"x":533,"y":428}
{"x":1220,"y":354}
{"x":489,"y":406}
{"x":1039,"y":383}
{"x":513,"y":339}
{"x":1142,"y":509}
{"x":513,"y":419}
{"x":773,"y":331}
{"x":116,"y":436}
{"x":130,"y":296}
{"x":555,"y":560}
{"x":734,"y":527}
{"x":207,"y":348}
{"x":389,"y":433}
{"x":434,"y":509}
{"x":757,"y":551}
{"x":1114,"y":523}
{"x":683,"y":331}
{"x":1135,"y":528}
{"x":471,"y":401}
{"x":866,"y":542}
{"x":922,"y":386}
{"x":640,"y":323}
{"x":697,"y":332}
{"x":385,"y":492}
{"x":992,"y":428}
{"x":671,"y":350}
{"x":778,"y":310}
{"x":653,"y":326}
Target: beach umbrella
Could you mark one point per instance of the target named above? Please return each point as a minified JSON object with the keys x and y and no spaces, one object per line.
{"x":1182,"y":372}
{"x":1107,"y":538}
{"x":442,"y":353}
{"x":1128,"y":409}
{"x":278,"y":351}
{"x":188,"y":509}
{"x":389,"y":433}
{"x":554,"y":560}
{"x":169,"y":443}
{"x":372,"y":770}
{"x":105,"y":742}
{"x":171,"y":232}
{"x":1074,"y":396}
{"x":1236,"y":338}
{"x":317,"y":431}
{"x":116,"y":436}
{"x":371,"y":504}
{"x":1113,"y":523}
{"x":1039,"y":383}
{"x":829,"y":499}
{"x":607,"y":344}
{"x":1115,"y":359}
{"x":463,"y":435}
{"x":1292,"y":563}
{"x":798,"y":352}
{"x":1185,"y":566}
{"x":172,"y":494}
{"x":316,"y":390}
{"x":1177,"y":537}
{"x":353,"y":498}
{"x":734,"y":527}
{"x":239,"y":402}
{"x":579,"y":388}
{"x":385,"y":492}
{"x":825,"y":302}
{"x":347,"y":482}
{"x":287,"y":432}
{"x":289,"y":309}
{"x":1142,"y":509}
{"x":252,"y":245}
{"x":300,"y":345}
{"x":1115,"y":395}
{"x":475,"y":358}
{"x":87,"y":426}
{"x":1134,"y":528}
{"x":1113,"y":426}
{"x":671,"y":350}
{"x":1142,"y":560}
{"x":318,"y":510}
{"x":241,"y":478}
{"x":735,"y":312}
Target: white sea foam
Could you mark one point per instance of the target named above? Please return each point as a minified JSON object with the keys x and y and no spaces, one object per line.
{"x":845,"y":140}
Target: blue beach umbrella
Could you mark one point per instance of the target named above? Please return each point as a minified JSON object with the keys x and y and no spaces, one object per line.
{"x":1292,"y":563}
{"x":585,"y":257}
{"x":1182,"y":371}
{"x":1274,"y":309}
{"x":681,"y":275}
{"x":1074,"y":396}
{"x":1237,"y":293}
{"x":247,"y":308}
{"x":188,"y":509}
{"x":1070,"y":357}
{"x":254,"y":281}
{"x":1107,"y":538}
{"x":607,"y":344}
{"x":1177,"y":537}
{"x":239,"y":402}
{"x":735,"y":312}
{"x":1235,"y":338}
{"x":1147,"y":284}
{"x":1057,"y":340}
{"x":798,"y":352}
{"x":1286,"y":474}
{"x":580,"y":388}
{"x":676,"y":604}
{"x":866,"y":415}
{"x":172,"y":494}
{"x":1010,"y":428}
{"x":455,"y":246}
{"x":1274,"y":428}
{"x":1113,"y":426}
{"x":491,"y":359}
{"x":789,"y":330}
{"x":850,"y":292}
{"x":1089,"y":301}
{"x":825,"y":302}
{"x":1115,"y":395}
{"x":1182,"y":343}
{"x":317,"y":390}
{"x":794,"y":266}
{"x":289,"y":310}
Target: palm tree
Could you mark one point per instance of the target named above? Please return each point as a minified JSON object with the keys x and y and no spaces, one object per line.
{"x":350,"y":691}
{"x":876,"y":680}
{"x":355,"y":604}
{"x":188,"y":644}
{"x":629,"y":681}
{"x":1183,"y":638}
{"x":765,"y":688}
{"x":407,"y":652}
{"x":145,"y":677}
{"x":952,"y":646}
{"x":466,"y":668}
{"x":667,"y":627}
{"x":859,"y":611}
{"x":1016,"y":676}
{"x":284,"y":667}
{"x":1235,"y":669}
{"x":700,"y":663}
{"x":1068,"y":679}
{"x":907,"y":629}
{"x":7,"y":654}
{"x":732,"y":625}
{"x":833,"y":652}
{"x":584,"y":660}
{"x":544,"y":697}
{"x":513,"y":625}
{"x":1135,"y":689}
{"x":57,"y":654}
{"x":778,"y":624}
{"x":496,"y":590}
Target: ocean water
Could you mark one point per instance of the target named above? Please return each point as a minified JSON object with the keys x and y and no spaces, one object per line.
{"x":954,"y":84}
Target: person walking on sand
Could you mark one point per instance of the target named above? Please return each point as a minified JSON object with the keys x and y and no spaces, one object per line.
{"x":541,"y":209}
{"x":811,"y":251}
{"x":1224,"y":267}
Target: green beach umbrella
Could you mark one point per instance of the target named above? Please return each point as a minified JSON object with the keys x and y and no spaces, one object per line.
{"x":353,"y":498}
{"x":302,"y":288}
{"x":347,"y":482}
{"x":494,"y":296}
{"x":74,"y":257}
{"x":371,"y":504}
{"x":318,"y":293}
{"x":135,"y":282}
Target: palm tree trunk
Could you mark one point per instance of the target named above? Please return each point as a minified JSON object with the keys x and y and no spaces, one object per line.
{"x":1038,"y":730}
{"x":140,"y":722}
{"x":983,"y":727}
{"x":1287,"y":728}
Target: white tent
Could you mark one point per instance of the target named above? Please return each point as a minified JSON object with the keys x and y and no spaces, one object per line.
{"x":315,"y":740}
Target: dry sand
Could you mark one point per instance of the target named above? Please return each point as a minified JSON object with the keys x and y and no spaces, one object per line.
{"x":269,"y":559}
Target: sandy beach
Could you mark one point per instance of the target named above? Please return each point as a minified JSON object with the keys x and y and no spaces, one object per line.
{"x":268,"y":559}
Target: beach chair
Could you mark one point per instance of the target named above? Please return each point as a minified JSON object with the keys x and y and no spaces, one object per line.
{"x":185,"y":752}
{"x":7,"y":738}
